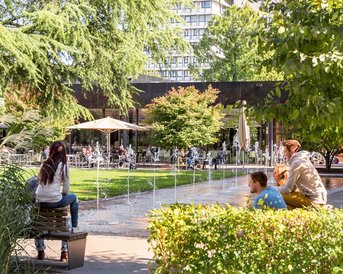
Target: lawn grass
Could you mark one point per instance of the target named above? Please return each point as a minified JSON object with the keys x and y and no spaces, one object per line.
{"x":114,"y":182}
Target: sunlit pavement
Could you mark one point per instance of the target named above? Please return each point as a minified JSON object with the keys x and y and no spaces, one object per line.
{"x":117,"y":241}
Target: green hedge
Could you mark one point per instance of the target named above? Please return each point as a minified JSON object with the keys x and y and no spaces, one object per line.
{"x":217,"y":239}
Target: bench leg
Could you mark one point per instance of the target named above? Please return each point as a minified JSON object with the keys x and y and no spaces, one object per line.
{"x":76,"y":253}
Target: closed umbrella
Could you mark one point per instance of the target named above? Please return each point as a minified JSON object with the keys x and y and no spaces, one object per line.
{"x":243,"y":131}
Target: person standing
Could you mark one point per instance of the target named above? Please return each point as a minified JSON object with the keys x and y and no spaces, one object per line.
{"x":266,"y":196}
{"x":303,"y":177}
{"x":53,"y":175}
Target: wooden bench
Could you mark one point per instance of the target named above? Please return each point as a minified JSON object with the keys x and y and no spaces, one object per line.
{"x":52,"y":224}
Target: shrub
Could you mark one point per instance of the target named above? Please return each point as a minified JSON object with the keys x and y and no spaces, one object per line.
{"x":217,"y":239}
{"x":15,"y":208}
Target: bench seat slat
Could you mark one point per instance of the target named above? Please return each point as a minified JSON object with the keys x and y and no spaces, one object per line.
{"x":50,"y":228}
{"x":52,"y":214}
{"x":52,"y":224}
{"x":45,"y":209}
{"x":55,"y":220}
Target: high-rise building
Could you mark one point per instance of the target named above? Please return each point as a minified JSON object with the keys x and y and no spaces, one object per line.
{"x":196,"y":20}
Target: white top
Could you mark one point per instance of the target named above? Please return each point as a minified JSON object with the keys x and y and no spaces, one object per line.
{"x":51,"y":193}
{"x":304,"y":176}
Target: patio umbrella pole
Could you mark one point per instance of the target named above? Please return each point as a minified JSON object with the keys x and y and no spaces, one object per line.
{"x":108,"y":148}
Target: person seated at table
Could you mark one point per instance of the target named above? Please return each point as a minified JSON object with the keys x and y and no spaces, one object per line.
{"x":219,"y":158}
{"x":122,"y":155}
{"x":121,"y":150}
{"x":182,"y":155}
{"x":89,"y":152}
{"x":191,"y":158}
{"x":84,"y":156}
{"x":280,"y":174}
{"x":266,"y":196}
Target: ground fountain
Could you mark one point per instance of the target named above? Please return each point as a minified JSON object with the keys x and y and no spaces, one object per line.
{"x":98,"y":155}
{"x":209,"y":174}
{"x":280,"y":154}
{"x":235,"y":146}
{"x":155,"y":158}
{"x":176,"y":168}
{"x":224,"y":151}
{"x":126,"y":215}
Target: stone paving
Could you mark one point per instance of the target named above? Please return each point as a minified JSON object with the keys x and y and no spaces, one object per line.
{"x":117,"y":241}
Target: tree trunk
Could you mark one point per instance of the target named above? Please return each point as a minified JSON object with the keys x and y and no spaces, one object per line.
{"x":328,"y":160}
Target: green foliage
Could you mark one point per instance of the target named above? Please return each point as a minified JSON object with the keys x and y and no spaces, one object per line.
{"x":306,"y":41}
{"x":229,"y":48}
{"x":216,"y":239}
{"x":30,"y":130}
{"x":185,"y":117}
{"x":45,"y":46}
{"x":15,"y":207}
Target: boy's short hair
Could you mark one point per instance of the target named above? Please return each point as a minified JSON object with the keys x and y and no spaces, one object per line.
{"x":259,"y":176}
{"x":291,"y":143}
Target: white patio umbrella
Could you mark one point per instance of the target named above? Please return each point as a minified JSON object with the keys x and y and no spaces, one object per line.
{"x":108,"y":125}
{"x":243,"y":131}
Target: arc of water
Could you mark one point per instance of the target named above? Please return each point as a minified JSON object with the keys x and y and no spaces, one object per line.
{"x":128,"y":185}
{"x":224,"y":174}
{"x":193,"y":182}
{"x":175,"y":157}
{"x":97,"y":176}
{"x":175,"y":181}
{"x":154,"y":182}
{"x":209,"y":159}
{"x":236,"y":168}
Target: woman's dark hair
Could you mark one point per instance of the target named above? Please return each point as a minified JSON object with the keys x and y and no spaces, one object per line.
{"x":57,"y":154}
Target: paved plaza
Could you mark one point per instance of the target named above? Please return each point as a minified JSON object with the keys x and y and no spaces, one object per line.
{"x":117,"y":241}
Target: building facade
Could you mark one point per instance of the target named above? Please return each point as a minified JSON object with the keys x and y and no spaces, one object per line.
{"x":253,"y":93}
{"x":195,"y":22}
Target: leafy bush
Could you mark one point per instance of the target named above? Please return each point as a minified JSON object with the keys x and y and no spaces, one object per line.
{"x":15,"y":208}
{"x":216,"y":239}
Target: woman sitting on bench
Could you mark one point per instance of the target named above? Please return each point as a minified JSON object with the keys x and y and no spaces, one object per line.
{"x":54,"y":173}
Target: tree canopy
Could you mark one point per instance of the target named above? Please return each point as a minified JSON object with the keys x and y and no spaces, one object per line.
{"x":185,"y":117}
{"x":45,"y":46}
{"x":306,"y":40}
{"x":229,"y":49}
